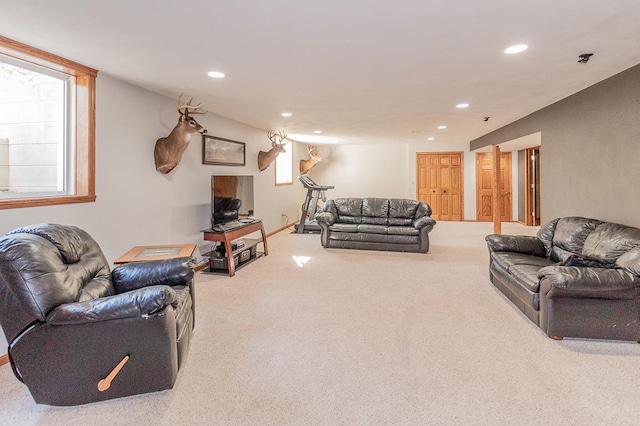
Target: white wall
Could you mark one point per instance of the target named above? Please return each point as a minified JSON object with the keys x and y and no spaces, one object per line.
{"x":386,"y":170}
{"x":137,"y":205}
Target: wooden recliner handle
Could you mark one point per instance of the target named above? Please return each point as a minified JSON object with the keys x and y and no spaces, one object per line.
{"x":105,"y":383}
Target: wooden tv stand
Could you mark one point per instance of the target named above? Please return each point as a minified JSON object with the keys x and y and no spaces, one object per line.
{"x":227,"y":236}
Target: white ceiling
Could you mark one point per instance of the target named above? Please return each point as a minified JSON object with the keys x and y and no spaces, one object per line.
{"x":362,"y":71}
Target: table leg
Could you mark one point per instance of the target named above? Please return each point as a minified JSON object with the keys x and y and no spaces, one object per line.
{"x":230,"y":263}
{"x":264,"y":240}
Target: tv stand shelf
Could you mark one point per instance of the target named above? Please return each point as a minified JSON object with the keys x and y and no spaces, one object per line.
{"x":226,"y":237}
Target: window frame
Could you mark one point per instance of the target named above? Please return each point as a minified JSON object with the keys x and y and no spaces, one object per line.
{"x":290,"y":147}
{"x":83,"y":167}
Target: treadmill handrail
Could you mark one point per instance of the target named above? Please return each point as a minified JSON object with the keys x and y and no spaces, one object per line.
{"x":310,"y":184}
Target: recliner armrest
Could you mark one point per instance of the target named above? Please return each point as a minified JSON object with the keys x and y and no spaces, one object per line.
{"x":131,"y":276}
{"x":131,"y":304}
{"x":585,"y":282}
{"x":516,"y":243}
{"x":326,"y":217}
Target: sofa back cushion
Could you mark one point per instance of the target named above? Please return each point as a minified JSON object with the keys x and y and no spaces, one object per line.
{"x":609,"y":241}
{"x":349,"y":210}
{"x":375,"y":211}
{"x":570,"y":235}
{"x":402,"y":212}
{"x":630,"y":261}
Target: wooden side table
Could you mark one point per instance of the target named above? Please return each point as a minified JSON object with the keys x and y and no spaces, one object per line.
{"x":163,"y":252}
{"x":227,"y":236}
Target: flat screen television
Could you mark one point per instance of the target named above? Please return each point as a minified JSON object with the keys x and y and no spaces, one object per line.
{"x":231,"y":198}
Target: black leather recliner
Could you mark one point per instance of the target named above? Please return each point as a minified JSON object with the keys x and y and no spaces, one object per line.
{"x":79,"y":333}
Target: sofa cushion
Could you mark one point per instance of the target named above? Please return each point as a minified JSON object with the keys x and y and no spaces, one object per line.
{"x":373,"y":238}
{"x":402,"y":230}
{"x":349,"y":210}
{"x":344,"y":227}
{"x":375,"y":211}
{"x":609,"y":241}
{"x":372,"y":229}
{"x":507,"y":259}
{"x":570,"y":235}
{"x":630,"y":261}
{"x":527,"y":275}
{"x":402,"y":212}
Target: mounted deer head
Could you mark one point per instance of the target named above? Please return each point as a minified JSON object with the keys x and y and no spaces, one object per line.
{"x":278,"y":141}
{"x":306,"y":165}
{"x":168,"y":151}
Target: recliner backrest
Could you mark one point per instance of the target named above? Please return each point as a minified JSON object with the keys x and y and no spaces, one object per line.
{"x":43,"y":266}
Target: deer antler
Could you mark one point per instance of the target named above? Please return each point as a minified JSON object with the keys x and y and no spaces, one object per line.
{"x":187,"y":106}
{"x":312,"y":150}
{"x":277,"y":137}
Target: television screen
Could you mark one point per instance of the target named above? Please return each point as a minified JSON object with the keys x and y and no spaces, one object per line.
{"x":231,"y":198}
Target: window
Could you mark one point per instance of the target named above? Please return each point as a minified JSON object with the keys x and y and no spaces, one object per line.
{"x":284,"y":166}
{"x":47,"y":128}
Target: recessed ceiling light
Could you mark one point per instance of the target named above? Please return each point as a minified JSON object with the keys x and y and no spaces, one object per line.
{"x":518,"y":48}
{"x":286,"y":114}
{"x":317,"y":132}
{"x":462,"y":106}
{"x":431,"y":138}
{"x":215,"y":74}
{"x":442,"y":127}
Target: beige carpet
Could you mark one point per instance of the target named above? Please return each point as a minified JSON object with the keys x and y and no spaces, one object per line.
{"x":369,"y":338}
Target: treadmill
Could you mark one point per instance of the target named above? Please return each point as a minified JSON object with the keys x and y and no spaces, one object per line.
{"x":310,"y":206}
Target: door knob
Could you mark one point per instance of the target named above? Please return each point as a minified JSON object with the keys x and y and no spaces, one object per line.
{"x":507,"y":193}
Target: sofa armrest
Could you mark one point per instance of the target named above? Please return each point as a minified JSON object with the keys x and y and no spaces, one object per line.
{"x":131,"y":276}
{"x":423,"y":221}
{"x":131,"y":304}
{"x":326,"y":217}
{"x":585,"y":282}
{"x":516,"y":243}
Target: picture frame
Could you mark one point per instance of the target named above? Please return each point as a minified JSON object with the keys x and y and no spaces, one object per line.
{"x":224,"y":152}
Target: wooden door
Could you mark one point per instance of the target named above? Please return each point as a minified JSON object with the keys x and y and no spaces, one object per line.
{"x":484,"y":187}
{"x":440,"y":184}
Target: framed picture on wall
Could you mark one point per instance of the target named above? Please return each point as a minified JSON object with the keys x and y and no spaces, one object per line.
{"x":224,"y":152}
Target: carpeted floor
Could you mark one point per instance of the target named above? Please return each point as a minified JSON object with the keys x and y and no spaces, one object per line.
{"x":310,"y":336}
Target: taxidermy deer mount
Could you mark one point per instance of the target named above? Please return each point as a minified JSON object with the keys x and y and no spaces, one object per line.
{"x":278,"y":141}
{"x":306,"y":165}
{"x":168,"y":151}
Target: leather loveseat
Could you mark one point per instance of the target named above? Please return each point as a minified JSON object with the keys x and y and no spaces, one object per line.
{"x":71,"y":322}
{"x":376,"y":224}
{"x":577,"y":277}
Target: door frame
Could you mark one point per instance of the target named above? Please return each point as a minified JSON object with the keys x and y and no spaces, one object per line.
{"x":531,"y":184}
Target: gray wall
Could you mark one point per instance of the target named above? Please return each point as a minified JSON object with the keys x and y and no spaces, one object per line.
{"x":590,"y":150}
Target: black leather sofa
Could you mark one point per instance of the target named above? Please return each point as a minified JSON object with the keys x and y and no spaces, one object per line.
{"x":376,"y":224}
{"x":70,"y":321}
{"x":577,"y":277}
